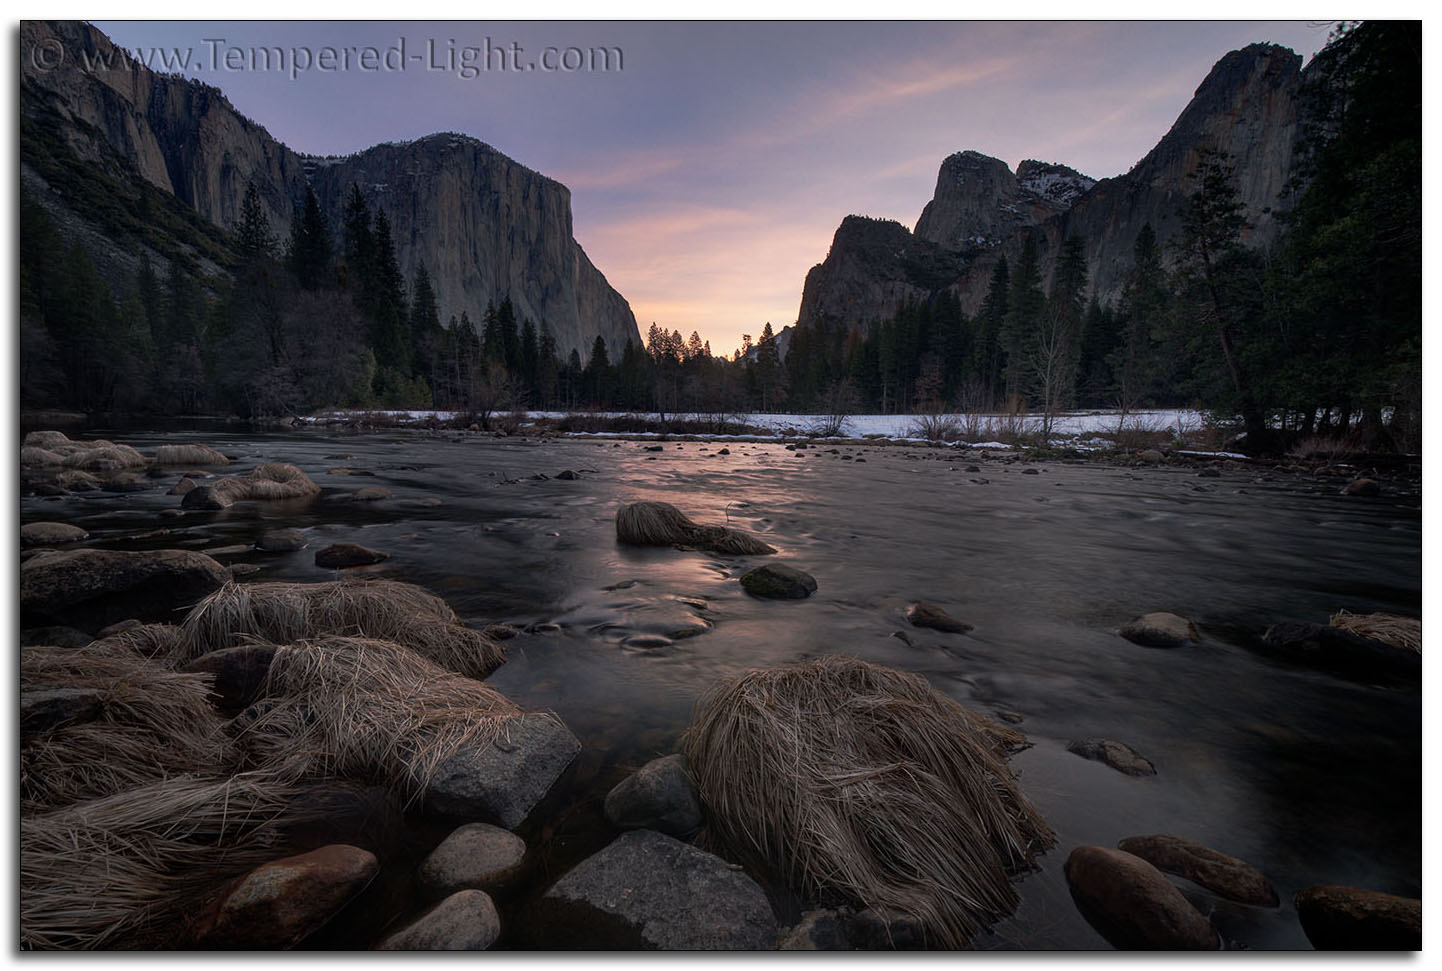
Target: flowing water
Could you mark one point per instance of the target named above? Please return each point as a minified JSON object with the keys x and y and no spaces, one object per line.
{"x":1309,"y":776}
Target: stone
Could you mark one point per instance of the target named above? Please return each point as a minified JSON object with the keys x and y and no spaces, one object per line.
{"x":1340,"y":918}
{"x":278,"y":904}
{"x":1224,"y":875}
{"x":500,"y":632}
{"x":1151,"y":456}
{"x":1133,"y":905}
{"x":338,"y":556}
{"x":119,"y":627}
{"x":567,"y":475}
{"x":661,"y":795}
{"x":370,"y":817}
{"x":1160,"y":629}
{"x":371,"y":494}
{"x":183,"y":487}
{"x":1121,"y":757}
{"x":929,"y":615}
{"x":818,"y":930}
{"x":649,"y":891}
{"x":206,"y":497}
{"x":872,"y":930}
{"x":1362,"y":487}
{"x":90,"y":589}
{"x":281,"y":541}
{"x":45,"y":709}
{"x":477,"y":856}
{"x":778,"y":581}
{"x":50,"y":534}
{"x":240,"y":673}
{"x":239,"y":570}
{"x":502,"y":781}
{"x":648,"y":642}
{"x":464,"y":921}
{"x":1340,"y":650}
{"x":1031,"y":472}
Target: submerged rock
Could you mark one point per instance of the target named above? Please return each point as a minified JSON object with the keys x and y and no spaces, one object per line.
{"x":1224,"y":875}
{"x":91,"y":589}
{"x":281,"y":541}
{"x":660,"y":795}
{"x":923,"y":614}
{"x":1340,"y":650}
{"x":1121,"y":757}
{"x":339,"y":556}
{"x":777,"y":581}
{"x":206,"y":497}
{"x":649,"y":891}
{"x":477,"y":856}
{"x":503,"y":780}
{"x":1160,"y":629}
{"x":818,"y":930}
{"x":45,"y":709}
{"x":464,"y":921}
{"x":50,"y":534}
{"x":280,"y":903}
{"x":1339,"y":918}
{"x":1362,"y":487}
{"x":1133,"y":905}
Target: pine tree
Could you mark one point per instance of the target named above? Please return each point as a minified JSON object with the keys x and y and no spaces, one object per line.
{"x":1020,"y":326}
{"x":255,"y":241}
{"x":309,"y":255}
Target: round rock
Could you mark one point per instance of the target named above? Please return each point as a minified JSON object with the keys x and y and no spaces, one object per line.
{"x":464,"y":921}
{"x":1339,"y":918}
{"x":929,"y":615}
{"x":1116,"y":754}
{"x":281,"y":541}
{"x":1133,"y":905}
{"x":777,"y":581}
{"x":660,"y":795}
{"x":1160,"y":629}
{"x":1224,"y":875}
{"x":477,"y":856}
{"x":50,"y":534}
{"x":338,"y":556}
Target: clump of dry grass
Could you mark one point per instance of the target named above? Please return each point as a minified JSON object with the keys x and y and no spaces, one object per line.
{"x":101,"y":456}
{"x":189,"y":454}
{"x":129,"y":870}
{"x":839,"y":777}
{"x":46,"y":439}
{"x":153,"y":723}
{"x":273,"y":480}
{"x":283,"y":613}
{"x":36,"y":455}
{"x":1391,"y":629}
{"x":365,"y":709}
{"x":162,"y":643}
{"x":662,"y":524}
{"x":77,"y":479}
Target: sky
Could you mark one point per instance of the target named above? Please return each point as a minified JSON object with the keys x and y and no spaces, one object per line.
{"x":709,"y":172}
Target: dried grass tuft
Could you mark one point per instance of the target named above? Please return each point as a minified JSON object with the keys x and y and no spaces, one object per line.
{"x":662,"y":524}
{"x":77,"y":480}
{"x":189,"y":454}
{"x":154,"y":723}
{"x":843,"y":778}
{"x":365,"y":709}
{"x":283,"y":613}
{"x":1390,"y":629}
{"x":273,"y":480}
{"x":103,"y":456}
{"x":129,"y":870}
{"x":36,"y":455}
{"x":45,"y":439}
{"x":162,"y":643}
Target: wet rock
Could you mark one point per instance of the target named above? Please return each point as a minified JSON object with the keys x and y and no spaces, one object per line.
{"x":649,"y":891}
{"x":91,"y":589}
{"x":929,"y":615}
{"x":54,"y":636}
{"x":1160,"y":629}
{"x":50,"y":534}
{"x":338,"y":556}
{"x":1030,"y":472}
{"x":280,"y":903}
{"x":502,"y":781}
{"x":1133,"y":905}
{"x":1362,"y":487}
{"x":777,"y":581}
{"x":124,"y":482}
{"x":647,"y":641}
{"x":240,"y":673}
{"x":119,"y":627}
{"x":567,"y":474}
{"x":818,"y":930}
{"x":49,"y":489}
{"x":477,"y":856}
{"x":724,"y":451}
{"x":1009,"y":716}
{"x":1121,"y":757}
{"x":371,"y":494}
{"x":1224,"y":875}
{"x":45,"y":709}
{"x":239,"y":570}
{"x":660,"y":795}
{"x":972,"y":468}
{"x":206,"y":497}
{"x":281,"y":541}
{"x":1209,"y":474}
{"x":500,"y":632}
{"x":655,"y":448}
{"x":1151,"y":456}
{"x":1339,"y":918}
{"x":183,"y":487}
{"x":1339,"y":650}
{"x":464,"y":921}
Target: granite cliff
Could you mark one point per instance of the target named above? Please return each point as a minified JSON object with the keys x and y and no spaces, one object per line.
{"x":484,"y":225}
{"x":1247,"y":106}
